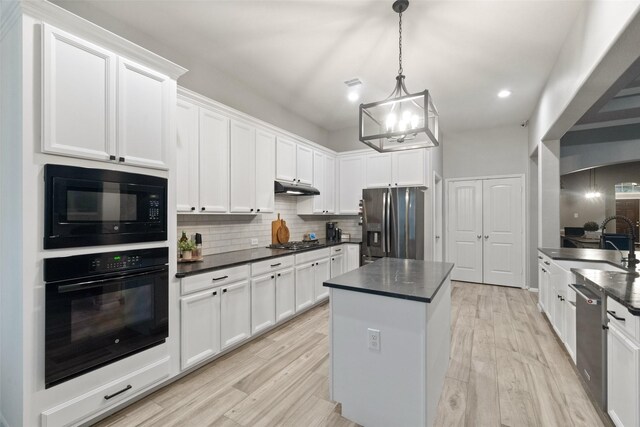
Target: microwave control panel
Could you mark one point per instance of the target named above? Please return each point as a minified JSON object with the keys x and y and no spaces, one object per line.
{"x":154,"y":210}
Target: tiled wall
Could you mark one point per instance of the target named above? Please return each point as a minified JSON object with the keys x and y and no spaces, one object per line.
{"x":225,"y":233}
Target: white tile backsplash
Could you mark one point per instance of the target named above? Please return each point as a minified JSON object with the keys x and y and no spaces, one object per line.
{"x":225,"y":233}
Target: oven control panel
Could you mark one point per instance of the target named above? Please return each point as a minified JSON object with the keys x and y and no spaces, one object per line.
{"x":66,"y":268}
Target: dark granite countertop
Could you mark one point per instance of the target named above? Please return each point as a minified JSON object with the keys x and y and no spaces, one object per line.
{"x":623,"y":287}
{"x":232,"y":259}
{"x":397,"y":278}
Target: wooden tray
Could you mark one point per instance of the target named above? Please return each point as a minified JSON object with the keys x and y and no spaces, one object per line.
{"x":194,"y":259}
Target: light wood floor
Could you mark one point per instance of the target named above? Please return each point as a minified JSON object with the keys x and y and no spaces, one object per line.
{"x":506,"y":369}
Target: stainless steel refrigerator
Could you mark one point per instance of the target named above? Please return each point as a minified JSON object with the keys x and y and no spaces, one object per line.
{"x":393,"y":223}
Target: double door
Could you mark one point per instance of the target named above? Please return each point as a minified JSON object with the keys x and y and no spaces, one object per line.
{"x":486,"y":225}
{"x":272,"y":299}
{"x":310,"y":277}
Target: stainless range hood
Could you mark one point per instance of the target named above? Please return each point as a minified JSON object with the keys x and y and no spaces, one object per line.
{"x":295,"y":190}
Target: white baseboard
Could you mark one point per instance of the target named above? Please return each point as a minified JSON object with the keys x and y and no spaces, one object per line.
{"x":533,"y":290}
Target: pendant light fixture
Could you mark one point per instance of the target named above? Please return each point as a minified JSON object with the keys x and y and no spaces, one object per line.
{"x":592,"y":192}
{"x":403,"y":121}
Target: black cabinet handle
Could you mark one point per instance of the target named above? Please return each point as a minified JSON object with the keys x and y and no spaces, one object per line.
{"x":219,"y":278}
{"x":389,"y":184}
{"x":224,"y":291}
{"x":110,"y":396}
{"x":539,"y":257}
{"x":278,"y":274}
{"x":547,"y":263}
{"x":275,"y":265}
{"x":273,"y":277}
{"x":544,"y":271}
{"x":251,"y":210}
{"x":215,"y":292}
{"x":338,"y":250}
{"x":333,"y":259}
{"x":193,"y":208}
{"x":257,"y":210}
{"x":112,"y":157}
{"x":298,"y":180}
{"x":202,"y":209}
{"x":121,"y":159}
{"x":396,"y":184}
{"x":613,"y":314}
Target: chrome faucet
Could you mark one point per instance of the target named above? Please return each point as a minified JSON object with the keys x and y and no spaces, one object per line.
{"x":631,"y":259}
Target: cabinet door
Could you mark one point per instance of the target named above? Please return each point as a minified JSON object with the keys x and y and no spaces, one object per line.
{"x":353,"y":257}
{"x":322,"y":273}
{"x":243,"y":168}
{"x":623,"y":378}
{"x":408,"y":168}
{"x":465,"y":230}
{"x":78,"y":97}
{"x":542,"y":287}
{"x":570,"y":329}
{"x":200,"y":327}
{"x":214,"y":162}
{"x":285,"y":160}
{"x":329,"y":184}
{"x":337,"y":265}
{"x":144,"y":112}
{"x":304,"y":165}
{"x":263,"y":302}
{"x":304,"y":285}
{"x":187,"y":156}
{"x":558,"y":308}
{"x":235,"y":313}
{"x":378,"y":170}
{"x":503,"y":225}
{"x":285,"y":294}
{"x":350,"y":184}
{"x":318,"y":182}
{"x":265,"y":171}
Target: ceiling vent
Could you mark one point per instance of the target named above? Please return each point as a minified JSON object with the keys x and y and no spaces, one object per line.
{"x":353,"y":82}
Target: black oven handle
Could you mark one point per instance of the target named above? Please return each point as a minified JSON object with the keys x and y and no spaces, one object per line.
{"x":93,"y":283}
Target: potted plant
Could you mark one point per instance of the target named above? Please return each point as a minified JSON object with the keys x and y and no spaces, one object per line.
{"x":590,"y":229}
{"x":186,"y":248}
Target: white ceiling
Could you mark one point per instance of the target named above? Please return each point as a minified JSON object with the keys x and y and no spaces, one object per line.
{"x":298,"y":53}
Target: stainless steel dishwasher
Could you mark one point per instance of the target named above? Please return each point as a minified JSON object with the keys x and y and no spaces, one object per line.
{"x":591,"y":339}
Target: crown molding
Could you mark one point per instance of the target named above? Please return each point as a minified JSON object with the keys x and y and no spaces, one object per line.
{"x":50,"y":13}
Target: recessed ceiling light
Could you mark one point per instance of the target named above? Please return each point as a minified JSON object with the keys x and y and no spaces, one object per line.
{"x":353,"y":96}
{"x":504,"y":93}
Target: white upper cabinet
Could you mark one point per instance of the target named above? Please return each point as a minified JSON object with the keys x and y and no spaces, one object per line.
{"x":329,"y":184}
{"x":378,"y":170}
{"x":144,"y":121}
{"x":408,"y":168}
{"x":243,"y":172}
{"x":265,"y":171}
{"x":398,"y":169}
{"x":286,"y":160}
{"x":79,"y":97}
{"x":214,"y":162}
{"x":351,"y":183}
{"x":304,"y":165}
{"x":324,"y":170}
{"x":99,"y":106}
{"x":187,"y":156}
{"x":318,"y":181}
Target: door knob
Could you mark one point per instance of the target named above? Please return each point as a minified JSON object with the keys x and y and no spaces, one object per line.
{"x":479,"y":236}
{"x":437,"y":237}
{"x":486,"y":236}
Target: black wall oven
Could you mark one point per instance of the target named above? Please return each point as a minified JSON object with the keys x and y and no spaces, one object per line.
{"x":100,"y":308}
{"x":87,"y":207}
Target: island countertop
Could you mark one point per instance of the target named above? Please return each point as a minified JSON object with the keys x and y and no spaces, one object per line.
{"x":396,"y":278}
{"x":622,"y":287}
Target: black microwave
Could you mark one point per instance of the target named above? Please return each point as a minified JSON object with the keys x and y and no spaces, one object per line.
{"x":88,"y":207}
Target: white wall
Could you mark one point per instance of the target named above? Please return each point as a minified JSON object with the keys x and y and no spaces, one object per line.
{"x":482,"y":152}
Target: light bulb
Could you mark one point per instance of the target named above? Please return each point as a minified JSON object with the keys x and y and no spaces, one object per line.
{"x":353,"y":96}
{"x":391,"y":121}
{"x":414,"y":121}
{"x":402,"y":125}
{"x":406,"y":115}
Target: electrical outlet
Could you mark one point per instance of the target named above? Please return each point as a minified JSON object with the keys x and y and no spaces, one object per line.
{"x":374,"y":339}
{"x":254,"y":242}
{"x":575,"y":214}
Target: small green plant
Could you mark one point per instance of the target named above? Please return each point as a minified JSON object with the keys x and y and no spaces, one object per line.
{"x":591,"y":226}
{"x":186,"y":245}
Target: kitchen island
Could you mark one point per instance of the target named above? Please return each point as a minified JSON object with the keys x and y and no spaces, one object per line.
{"x":389,"y":334}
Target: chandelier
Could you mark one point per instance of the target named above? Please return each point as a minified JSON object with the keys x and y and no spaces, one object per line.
{"x":403,"y":121}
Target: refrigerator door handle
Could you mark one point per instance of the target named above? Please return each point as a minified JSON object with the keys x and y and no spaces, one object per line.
{"x":388,"y":224}
{"x":384,"y":223}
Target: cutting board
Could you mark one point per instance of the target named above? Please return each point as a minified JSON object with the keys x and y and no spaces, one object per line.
{"x":275,"y":225}
{"x":283,"y":233}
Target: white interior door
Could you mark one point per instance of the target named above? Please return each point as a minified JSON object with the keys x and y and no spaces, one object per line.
{"x":464,"y":222}
{"x":503,"y":225}
{"x":437,"y":219}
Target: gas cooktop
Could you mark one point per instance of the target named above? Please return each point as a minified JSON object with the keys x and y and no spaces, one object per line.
{"x":295,"y":246}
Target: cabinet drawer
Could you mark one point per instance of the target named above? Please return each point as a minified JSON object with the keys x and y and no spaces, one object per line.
{"x":263,"y":267}
{"x":84,"y":406}
{"x":215,"y":278}
{"x":312,"y":255}
{"x":337,"y":250}
{"x":630,"y":324}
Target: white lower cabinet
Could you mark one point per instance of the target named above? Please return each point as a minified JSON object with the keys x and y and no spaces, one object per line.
{"x":337,"y":265}
{"x":353,"y":257}
{"x":263,"y":302}
{"x":321,"y":274}
{"x":304,"y":285}
{"x":235,"y":313}
{"x":285,"y":294}
{"x":623,"y":378}
{"x":200,"y":327}
{"x":570,"y":329}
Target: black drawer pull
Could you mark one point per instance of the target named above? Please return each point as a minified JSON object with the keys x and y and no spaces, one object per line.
{"x":273,"y":277}
{"x":613,"y":314}
{"x":215,"y":293}
{"x":224,"y":291}
{"x":112,"y":157}
{"x":275,"y":265}
{"x":193,"y":208}
{"x":219,"y":278}
{"x":109,"y":396}
{"x":121,"y":159}
{"x":202,"y":209}
{"x":547,"y":263}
